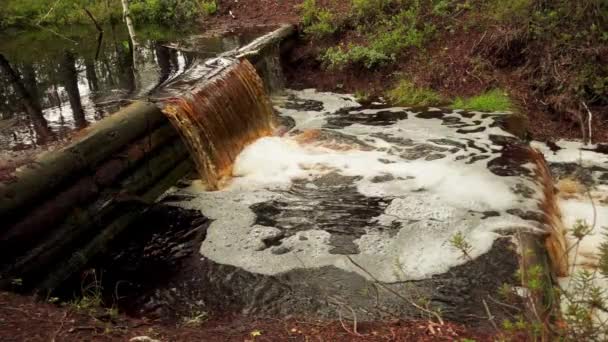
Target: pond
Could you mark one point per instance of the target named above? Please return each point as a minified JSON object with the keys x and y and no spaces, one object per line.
{"x":55,"y":82}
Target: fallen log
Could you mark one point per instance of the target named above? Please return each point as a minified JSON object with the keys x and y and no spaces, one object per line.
{"x":82,"y":222}
{"x":42,"y":177}
{"x":99,"y":244}
{"x":53,"y":211}
{"x":106,"y":174}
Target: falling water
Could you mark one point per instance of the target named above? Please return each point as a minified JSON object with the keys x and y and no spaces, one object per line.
{"x":220,"y":116}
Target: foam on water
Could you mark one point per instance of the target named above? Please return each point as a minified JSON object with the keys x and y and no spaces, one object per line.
{"x":425,"y":174}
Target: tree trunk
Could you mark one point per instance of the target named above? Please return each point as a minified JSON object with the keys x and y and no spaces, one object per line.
{"x":30,"y":105}
{"x":50,"y":171}
{"x":91,"y":72}
{"x":128,"y":20}
{"x":70,"y":82}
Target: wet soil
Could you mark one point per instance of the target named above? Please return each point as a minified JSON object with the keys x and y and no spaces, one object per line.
{"x":25,"y":319}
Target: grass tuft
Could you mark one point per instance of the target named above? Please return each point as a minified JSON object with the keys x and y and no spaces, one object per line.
{"x":492,"y":101}
{"x":407,"y":94}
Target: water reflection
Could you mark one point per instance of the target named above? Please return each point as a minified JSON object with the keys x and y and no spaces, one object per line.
{"x":50,"y":87}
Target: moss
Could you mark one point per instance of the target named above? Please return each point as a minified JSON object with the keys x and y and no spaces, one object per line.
{"x":492,"y":101}
{"x":405,"y":93}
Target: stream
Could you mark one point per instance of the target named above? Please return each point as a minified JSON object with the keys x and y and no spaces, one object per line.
{"x":335,"y":209}
{"x":347,"y":206}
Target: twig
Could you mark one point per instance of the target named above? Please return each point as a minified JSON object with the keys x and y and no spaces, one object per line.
{"x":478,"y":42}
{"x":590,"y":122}
{"x":395,"y":292}
{"x":84,"y":327}
{"x":490,"y":316}
{"x":56,"y":33}
{"x":90,"y":15}
{"x":47,"y":13}
{"x":65,"y":315}
{"x":15,"y":309}
{"x":354,"y":331}
{"x":503,"y":304}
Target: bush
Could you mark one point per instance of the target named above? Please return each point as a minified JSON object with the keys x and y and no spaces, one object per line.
{"x":318,"y":22}
{"x":24,"y":13}
{"x":209,"y":7}
{"x":405,"y":93}
{"x":391,"y":33}
{"x":492,"y":101}
{"x":368,"y":10}
{"x":339,"y":57}
{"x":165,"y":12}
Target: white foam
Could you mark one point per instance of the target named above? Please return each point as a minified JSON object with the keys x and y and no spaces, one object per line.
{"x":571,"y":152}
{"x":431,"y":200}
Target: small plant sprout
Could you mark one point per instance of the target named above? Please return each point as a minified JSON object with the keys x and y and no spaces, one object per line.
{"x":459,"y":242}
{"x":581,"y":229}
{"x":196,"y":318}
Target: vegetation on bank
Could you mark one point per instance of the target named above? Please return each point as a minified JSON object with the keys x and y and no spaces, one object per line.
{"x":28,"y":13}
{"x":491,"y":101}
{"x":407,"y":94}
{"x":558,"y":49}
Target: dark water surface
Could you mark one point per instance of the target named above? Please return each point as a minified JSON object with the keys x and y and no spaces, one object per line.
{"x":54,"y":83}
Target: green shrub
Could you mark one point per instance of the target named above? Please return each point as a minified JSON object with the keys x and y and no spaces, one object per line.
{"x":23,"y":13}
{"x":405,"y":93}
{"x":492,"y":101}
{"x":209,"y":7}
{"x":339,"y":57}
{"x":165,"y":12}
{"x":318,"y":22}
{"x":512,"y":11}
{"x":368,"y":10}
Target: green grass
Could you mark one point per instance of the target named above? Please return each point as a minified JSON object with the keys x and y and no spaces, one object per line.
{"x":492,"y":101}
{"x":407,"y":94}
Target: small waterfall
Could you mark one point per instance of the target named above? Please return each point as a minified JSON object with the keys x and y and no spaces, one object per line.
{"x":220,"y":116}
{"x":556,"y":245}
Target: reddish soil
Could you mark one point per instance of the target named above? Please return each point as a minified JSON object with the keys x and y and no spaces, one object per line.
{"x":23,"y":319}
{"x":453,"y":65}
{"x":234,"y":15}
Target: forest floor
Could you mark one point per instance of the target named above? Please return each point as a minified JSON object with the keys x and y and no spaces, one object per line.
{"x":451,"y":64}
{"x":25,"y":319}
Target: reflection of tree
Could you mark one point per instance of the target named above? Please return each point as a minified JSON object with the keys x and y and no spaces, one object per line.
{"x":164,"y":59}
{"x":30,"y":105}
{"x":91,"y":72}
{"x":31,"y":84}
{"x":70,"y":82}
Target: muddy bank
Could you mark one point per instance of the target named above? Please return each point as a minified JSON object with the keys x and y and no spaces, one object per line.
{"x":457,"y":62}
{"x":23,"y":319}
